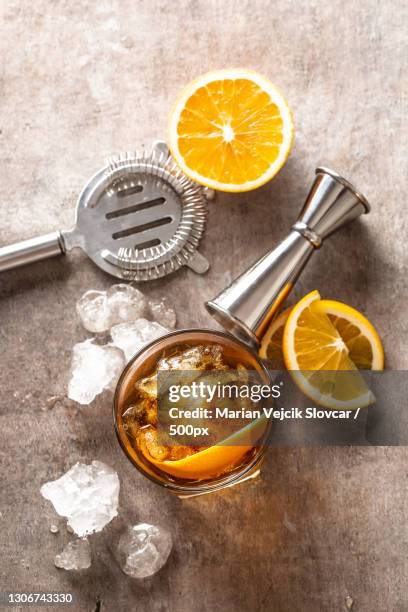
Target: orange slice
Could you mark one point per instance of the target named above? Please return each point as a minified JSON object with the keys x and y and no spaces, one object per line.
{"x":271,"y":343}
{"x":319,"y":359}
{"x":231,"y":130}
{"x":359,"y":335}
{"x":215,"y":460}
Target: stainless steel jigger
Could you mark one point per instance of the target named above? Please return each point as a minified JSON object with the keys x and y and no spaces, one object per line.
{"x":249,"y":304}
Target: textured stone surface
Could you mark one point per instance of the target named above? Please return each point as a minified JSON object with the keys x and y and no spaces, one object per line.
{"x":81,"y":81}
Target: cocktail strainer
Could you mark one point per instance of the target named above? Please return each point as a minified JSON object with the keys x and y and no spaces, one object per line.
{"x":138,"y":218}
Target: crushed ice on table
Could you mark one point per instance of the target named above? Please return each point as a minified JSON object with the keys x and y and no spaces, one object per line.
{"x":93,"y":369}
{"x":75,"y":556}
{"x":100,"y":310}
{"x":143,"y":549}
{"x":163,"y":313}
{"x":122,"y":310}
{"x":87,"y":495}
{"x":131,"y":337}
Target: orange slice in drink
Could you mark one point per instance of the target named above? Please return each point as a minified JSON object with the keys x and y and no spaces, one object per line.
{"x":217,"y":459}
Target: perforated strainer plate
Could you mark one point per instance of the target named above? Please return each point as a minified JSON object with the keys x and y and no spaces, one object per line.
{"x":141,"y":218}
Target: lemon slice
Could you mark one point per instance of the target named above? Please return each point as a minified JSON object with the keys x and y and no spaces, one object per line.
{"x":315,"y":352}
{"x":271,"y":343}
{"x":215,"y":460}
{"x":231,"y":130}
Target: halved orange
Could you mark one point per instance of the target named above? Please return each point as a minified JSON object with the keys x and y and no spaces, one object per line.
{"x":231,"y":130}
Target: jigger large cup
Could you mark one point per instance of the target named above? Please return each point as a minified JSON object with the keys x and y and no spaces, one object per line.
{"x":248,"y":305}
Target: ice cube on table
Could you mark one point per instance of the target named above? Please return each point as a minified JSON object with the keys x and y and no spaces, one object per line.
{"x":75,"y":556}
{"x":126,"y":303}
{"x":93,"y":311}
{"x":93,"y":369}
{"x":143,"y":550}
{"x":99,"y":310}
{"x":87,"y":495}
{"x":131,"y":337}
{"x":163,"y":313}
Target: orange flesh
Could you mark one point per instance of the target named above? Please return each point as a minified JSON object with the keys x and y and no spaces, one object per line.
{"x":318,"y":344}
{"x":230,"y":131}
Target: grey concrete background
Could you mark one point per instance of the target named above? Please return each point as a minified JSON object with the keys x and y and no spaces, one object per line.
{"x":80,"y":81}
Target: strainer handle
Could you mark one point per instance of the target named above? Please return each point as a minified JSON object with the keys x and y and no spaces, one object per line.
{"x":31,"y":250}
